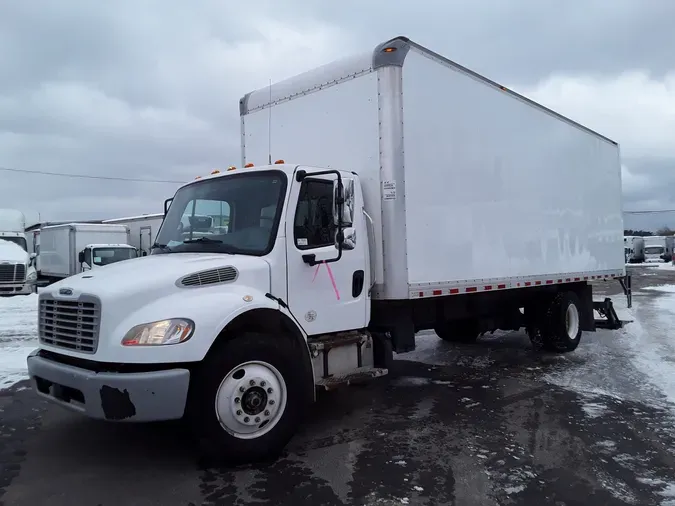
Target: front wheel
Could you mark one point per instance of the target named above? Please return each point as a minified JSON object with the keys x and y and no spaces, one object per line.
{"x":247,"y":398}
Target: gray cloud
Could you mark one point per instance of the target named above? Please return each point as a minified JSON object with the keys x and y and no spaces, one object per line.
{"x":151,"y":89}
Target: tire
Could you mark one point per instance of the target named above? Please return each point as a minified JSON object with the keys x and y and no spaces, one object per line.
{"x":560,"y":331}
{"x":231,"y":435}
{"x":458,"y":331}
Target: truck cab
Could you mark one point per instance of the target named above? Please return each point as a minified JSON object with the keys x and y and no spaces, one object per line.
{"x":17,"y":267}
{"x":98,"y":255}
{"x":205,"y":317}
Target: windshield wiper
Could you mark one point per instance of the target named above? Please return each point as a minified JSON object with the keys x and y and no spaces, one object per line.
{"x":163,"y":247}
{"x":203,"y":239}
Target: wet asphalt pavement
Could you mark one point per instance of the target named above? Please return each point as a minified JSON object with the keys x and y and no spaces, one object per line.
{"x":483,"y":424}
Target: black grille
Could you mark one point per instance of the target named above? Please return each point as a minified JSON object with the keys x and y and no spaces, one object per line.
{"x":69,"y":324}
{"x":12,"y":273}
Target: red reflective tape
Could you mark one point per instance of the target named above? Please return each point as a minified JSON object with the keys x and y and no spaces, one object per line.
{"x":488,"y":287}
{"x":454,"y":290}
{"x":549,"y":281}
{"x":527,"y":283}
{"x":501,"y":287}
{"x":421,"y":294}
{"x":585,"y":278}
{"x":471,"y":289}
{"x":568,"y":280}
{"x":560,"y":281}
{"x":537,"y":282}
{"x":438,"y":292}
{"x":577,"y":279}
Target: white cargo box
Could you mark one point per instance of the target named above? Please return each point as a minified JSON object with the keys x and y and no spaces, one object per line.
{"x":472,"y":187}
{"x":61,"y":244}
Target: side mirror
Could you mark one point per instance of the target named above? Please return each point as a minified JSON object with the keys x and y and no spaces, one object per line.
{"x":343,"y":206}
{"x":167,"y":204}
{"x":80,"y":257}
{"x":33,"y":256}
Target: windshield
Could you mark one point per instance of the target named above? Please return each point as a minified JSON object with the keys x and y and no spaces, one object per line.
{"x":21,"y":241}
{"x":654,"y":250}
{"x":105,"y":256}
{"x":231,"y":214}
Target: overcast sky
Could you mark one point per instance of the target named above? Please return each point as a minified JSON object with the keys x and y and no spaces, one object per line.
{"x":150,"y":89}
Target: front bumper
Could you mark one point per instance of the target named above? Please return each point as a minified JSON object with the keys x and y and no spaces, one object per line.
{"x":9,"y":289}
{"x":130,"y":397}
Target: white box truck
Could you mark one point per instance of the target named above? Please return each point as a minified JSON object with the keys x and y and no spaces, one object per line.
{"x":421,"y":196}
{"x":142,"y":230}
{"x":17,"y":270}
{"x":72,"y":248}
{"x":634,"y":249}
{"x":658,"y":248}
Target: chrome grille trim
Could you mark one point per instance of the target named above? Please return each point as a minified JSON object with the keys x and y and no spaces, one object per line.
{"x":208,"y":277}
{"x":12,"y":273}
{"x":71,"y":324}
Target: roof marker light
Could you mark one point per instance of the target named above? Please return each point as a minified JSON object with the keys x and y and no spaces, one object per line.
{"x":215,"y":171}
{"x":231,"y":167}
{"x":248,"y":165}
{"x":279,"y":162}
{"x":389,"y":49}
{"x":198,"y":177}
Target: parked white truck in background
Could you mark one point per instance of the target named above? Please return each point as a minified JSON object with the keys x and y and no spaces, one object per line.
{"x":658,"y":248}
{"x":418,"y":206}
{"x":142,"y":230}
{"x":634,"y":249}
{"x":17,"y":271}
{"x":73,"y":248}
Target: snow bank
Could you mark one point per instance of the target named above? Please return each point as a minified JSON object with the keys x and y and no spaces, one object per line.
{"x":18,"y":337}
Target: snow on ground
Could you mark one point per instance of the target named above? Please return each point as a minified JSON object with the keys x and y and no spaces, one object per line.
{"x":18,"y":337}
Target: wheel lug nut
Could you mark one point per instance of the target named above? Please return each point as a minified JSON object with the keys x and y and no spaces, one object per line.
{"x":262,"y":383}
{"x":252,"y":382}
{"x":269,"y":390}
{"x":239,"y":412}
{"x":242,"y":389}
{"x":246,"y":419}
{"x":267,"y":413}
{"x":257,"y":419}
{"x":272,"y":402}
{"x":237,"y":400}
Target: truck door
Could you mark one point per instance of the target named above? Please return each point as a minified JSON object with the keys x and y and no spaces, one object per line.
{"x":145,"y":241}
{"x":327,"y":297}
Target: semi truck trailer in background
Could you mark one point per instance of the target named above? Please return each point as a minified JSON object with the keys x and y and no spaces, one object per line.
{"x":634,"y":249}
{"x":142,"y":230}
{"x":416,"y":194}
{"x":73,"y":248}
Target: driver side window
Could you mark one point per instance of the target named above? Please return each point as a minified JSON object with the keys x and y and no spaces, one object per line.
{"x":313,"y":224}
{"x":87,"y":257}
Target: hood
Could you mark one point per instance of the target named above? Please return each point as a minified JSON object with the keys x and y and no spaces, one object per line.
{"x":155,"y":276}
{"x":10,"y":252}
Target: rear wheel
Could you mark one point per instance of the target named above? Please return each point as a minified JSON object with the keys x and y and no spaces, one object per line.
{"x":247,"y":398}
{"x":557,"y":326}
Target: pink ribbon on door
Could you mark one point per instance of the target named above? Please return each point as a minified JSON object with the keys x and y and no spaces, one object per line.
{"x":330,"y":275}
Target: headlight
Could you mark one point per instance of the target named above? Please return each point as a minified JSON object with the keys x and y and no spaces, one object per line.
{"x":173,"y":331}
{"x":32,"y":276}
